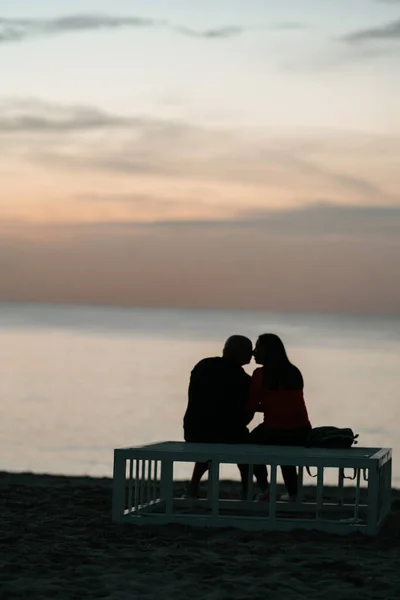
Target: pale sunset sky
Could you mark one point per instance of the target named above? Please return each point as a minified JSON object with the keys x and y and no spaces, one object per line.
{"x":201,"y":153}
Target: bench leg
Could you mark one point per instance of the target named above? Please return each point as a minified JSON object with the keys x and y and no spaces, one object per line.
{"x":320,"y":492}
{"x":167,"y":474}
{"x":373,"y":500}
{"x":386,"y":488}
{"x":214,"y":487}
{"x":272,"y":495}
{"x":389,"y":484}
{"x":118,"y":494}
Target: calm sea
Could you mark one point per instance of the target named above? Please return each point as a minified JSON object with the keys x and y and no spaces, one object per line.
{"x":77,"y":382}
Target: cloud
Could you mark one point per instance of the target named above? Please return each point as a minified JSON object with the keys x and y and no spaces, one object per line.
{"x":87,"y":138}
{"x":351,"y":182}
{"x":33,"y":116}
{"x":318,"y":220}
{"x":15,"y":30}
{"x":389,"y":31}
{"x":328,"y":219}
{"x":229,"y":31}
{"x":221,"y":32}
{"x":290,"y":25}
{"x":18,"y":30}
{"x":135,"y":200}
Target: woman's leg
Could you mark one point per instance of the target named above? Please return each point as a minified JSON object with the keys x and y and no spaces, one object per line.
{"x":220,"y":437}
{"x":278,"y":437}
{"x":289,"y":474}
{"x":296,"y":437}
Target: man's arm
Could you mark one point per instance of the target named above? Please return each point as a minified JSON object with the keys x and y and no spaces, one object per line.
{"x":249,"y":416}
{"x":255,"y":399}
{"x":248,"y":412}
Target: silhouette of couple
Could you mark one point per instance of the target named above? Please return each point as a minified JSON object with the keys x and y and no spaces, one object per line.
{"x":223,"y":400}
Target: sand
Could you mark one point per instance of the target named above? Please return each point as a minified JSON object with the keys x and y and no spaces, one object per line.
{"x":57,"y":541}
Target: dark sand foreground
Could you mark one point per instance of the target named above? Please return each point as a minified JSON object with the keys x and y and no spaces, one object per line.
{"x":57,"y":541}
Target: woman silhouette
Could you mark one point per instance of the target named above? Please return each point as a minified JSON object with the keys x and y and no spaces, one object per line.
{"x":276,"y":389}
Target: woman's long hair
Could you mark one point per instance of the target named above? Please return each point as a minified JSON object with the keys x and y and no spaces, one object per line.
{"x":278,"y":370}
{"x":273,"y":350}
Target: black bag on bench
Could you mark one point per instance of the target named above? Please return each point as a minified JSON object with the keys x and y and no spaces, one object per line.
{"x":330,"y":437}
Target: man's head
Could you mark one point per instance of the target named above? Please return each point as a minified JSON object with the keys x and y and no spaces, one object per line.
{"x":238,"y":349}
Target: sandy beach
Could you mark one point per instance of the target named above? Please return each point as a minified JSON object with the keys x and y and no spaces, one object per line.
{"x":57,"y":541}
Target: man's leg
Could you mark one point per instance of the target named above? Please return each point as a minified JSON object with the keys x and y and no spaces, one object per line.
{"x":257,"y":436}
{"x":196,"y":437}
{"x":244,"y":476}
{"x":222,"y":437}
{"x":240,"y":437}
{"x":198,"y":471}
{"x":261,"y":475}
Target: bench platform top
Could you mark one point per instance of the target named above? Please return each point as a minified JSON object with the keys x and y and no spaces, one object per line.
{"x":183,"y":450}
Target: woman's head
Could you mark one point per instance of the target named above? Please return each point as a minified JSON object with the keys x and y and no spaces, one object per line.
{"x":270,"y":351}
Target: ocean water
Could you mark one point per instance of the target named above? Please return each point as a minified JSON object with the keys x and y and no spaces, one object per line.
{"x":77,"y":382}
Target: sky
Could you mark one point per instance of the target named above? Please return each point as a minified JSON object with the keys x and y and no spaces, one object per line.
{"x":213,"y":153}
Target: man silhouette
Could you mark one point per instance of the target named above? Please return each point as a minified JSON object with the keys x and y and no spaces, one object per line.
{"x":217,"y":403}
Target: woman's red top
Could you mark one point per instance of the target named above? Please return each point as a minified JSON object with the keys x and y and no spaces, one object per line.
{"x":282,"y":408}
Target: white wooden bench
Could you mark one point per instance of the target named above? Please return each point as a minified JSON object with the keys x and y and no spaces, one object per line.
{"x":143,"y":491}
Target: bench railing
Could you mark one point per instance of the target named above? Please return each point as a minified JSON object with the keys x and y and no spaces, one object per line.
{"x":143,"y":491}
